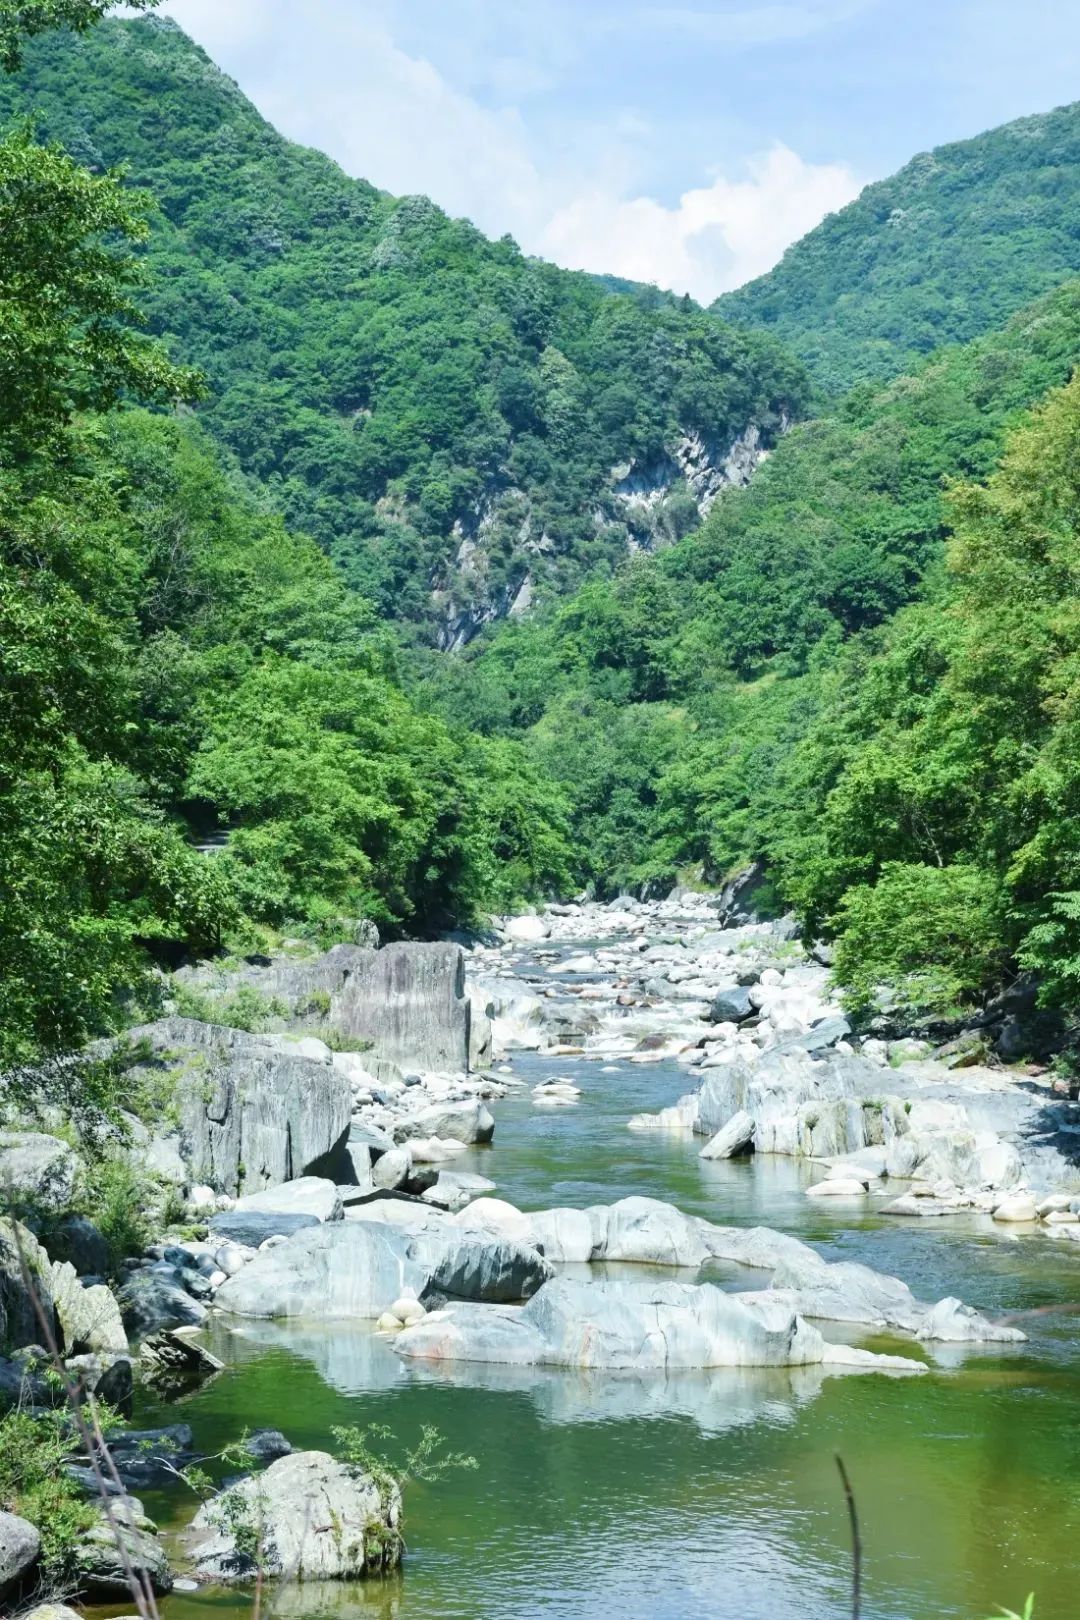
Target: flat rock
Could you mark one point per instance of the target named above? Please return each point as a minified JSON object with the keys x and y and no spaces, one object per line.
{"x":307,"y":1195}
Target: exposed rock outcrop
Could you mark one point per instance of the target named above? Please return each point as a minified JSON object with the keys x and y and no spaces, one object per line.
{"x":253,"y":1113}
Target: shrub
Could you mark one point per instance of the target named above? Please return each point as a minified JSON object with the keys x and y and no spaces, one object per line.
{"x":933,"y":934}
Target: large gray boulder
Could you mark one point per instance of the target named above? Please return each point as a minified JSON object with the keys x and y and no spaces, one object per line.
{"x":25,"y":1286}
{"x":800,"y":1105}
{"x":151,"y":1300}
{"x":36,"y":1171}
{"x":90,"y":1319}
{"x":736,"y":1137}
{"x":468,"y":1122}
{"x":20,"y":1547}
{"x":307,"y":1195}
{"x":315,"y":1518}
{"x":78,"y":1241}
{"x":253,"y":1114}
{"x":357,"y":1268}
{"x":657,"y":1327}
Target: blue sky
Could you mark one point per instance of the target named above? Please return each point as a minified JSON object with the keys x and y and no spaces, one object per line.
{"x":686,"y":144}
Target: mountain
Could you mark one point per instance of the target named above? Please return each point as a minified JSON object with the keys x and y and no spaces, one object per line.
{"x":949,"y":247}
{"x":701,"y":708}
{"x":463,"y":429}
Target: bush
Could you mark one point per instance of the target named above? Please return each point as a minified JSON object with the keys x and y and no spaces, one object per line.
{"x":933,"y":934}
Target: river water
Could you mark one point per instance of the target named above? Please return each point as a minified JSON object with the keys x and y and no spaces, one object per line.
{"x":704,"y":1495}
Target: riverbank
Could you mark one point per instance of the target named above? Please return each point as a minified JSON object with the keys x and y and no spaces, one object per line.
{"x":604,"y":1019}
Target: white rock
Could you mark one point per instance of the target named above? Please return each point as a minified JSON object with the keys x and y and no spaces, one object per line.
{"x":847,"y":1187}
{"x":1017,"y":1207}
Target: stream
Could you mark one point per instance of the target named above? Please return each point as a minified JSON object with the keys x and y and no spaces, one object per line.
{"x":699,"y":1495}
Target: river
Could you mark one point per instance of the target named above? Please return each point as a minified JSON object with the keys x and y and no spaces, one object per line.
{"x":703,"y":1495}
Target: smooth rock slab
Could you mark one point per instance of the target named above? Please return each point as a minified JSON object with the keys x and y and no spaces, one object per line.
{"x":736,"y":1137}
{"x":316,"y":1518}
{"x":307,"y":1195}
{"x":658,"y":1327}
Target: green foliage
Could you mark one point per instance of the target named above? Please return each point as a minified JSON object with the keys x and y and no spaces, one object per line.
{"x":118,"y":1202}
{"x":21,"y":20}
{"x":35,"y":1448}
{"x":397,"y":383}
{"x":244,"y":1007}
{"x":427,"y":1461}
{"x":66,"y":310}
{"x":699,"y":708}
{"x":946,"y":249}
{"x":933,"y":934}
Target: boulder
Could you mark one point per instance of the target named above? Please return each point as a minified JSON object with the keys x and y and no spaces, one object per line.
{"x":736,"y":1137}
{"x":355,"y":1268}
{"x":648,"y":1232}
{"x":172,"y":1361}
{"x":20,"y":1547}
{"x":952,"y":1322}
{"x":78,"y":1241}
{"x":36,"y":1171}
{"x":467,"y":1122}
{"x":89,"y":1318}
{"x":657,"y":1327}
{"x":392,"y":1170}
{"x":249,"y":1229}
{"x":267,"y":1445}
{"x":315,"y":1518}
{"x":151,"y":1300}
{"x":100,"y":1563}
{"x":106,"y":1374}
{"x":307,"y":1195}
{"x":25,"y":1282}
{"x":1017,"y":1207}
{"x":251,"y":1113}
{"x":527,"y":930}
{"x":731,"y":1006}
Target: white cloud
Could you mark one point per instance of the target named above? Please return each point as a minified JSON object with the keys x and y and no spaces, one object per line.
{"x":338,"y":79}
{"x":715,"y":238}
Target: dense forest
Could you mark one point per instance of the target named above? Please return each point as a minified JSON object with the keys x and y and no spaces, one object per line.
{"x":950,"y":247}
{"x":758,"y":692}
{"x":255,"y":415}
{"x":454,"y":423}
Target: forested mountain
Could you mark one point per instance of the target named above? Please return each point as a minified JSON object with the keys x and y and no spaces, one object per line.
{"x":461,"y":428}
{"x":950,"y":247}
{"x":803,"y":683}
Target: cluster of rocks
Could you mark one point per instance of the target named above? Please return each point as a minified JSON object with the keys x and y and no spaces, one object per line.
{"x":933,"y":1131}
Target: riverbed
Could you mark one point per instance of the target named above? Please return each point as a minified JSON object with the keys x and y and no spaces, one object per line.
{"x":699,"y":1495}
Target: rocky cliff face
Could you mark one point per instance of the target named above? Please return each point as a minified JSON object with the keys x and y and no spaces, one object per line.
{"x":505,"y":555}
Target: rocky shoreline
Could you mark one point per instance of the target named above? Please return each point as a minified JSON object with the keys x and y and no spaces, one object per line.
{"x":310,"y":1165}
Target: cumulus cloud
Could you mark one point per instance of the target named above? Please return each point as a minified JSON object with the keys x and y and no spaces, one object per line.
{"x":339,"y":78}
{"x":715,"y":238}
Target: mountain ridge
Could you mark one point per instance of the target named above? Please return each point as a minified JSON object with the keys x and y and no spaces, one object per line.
{"x":948,"y":247}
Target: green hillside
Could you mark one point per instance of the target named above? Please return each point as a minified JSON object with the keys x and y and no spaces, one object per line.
{"x":450,"y":420}
{"x":950,"y":247}
{"x":760,"y":691}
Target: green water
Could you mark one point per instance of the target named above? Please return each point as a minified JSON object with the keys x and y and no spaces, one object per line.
{"x":712,"y":1495}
